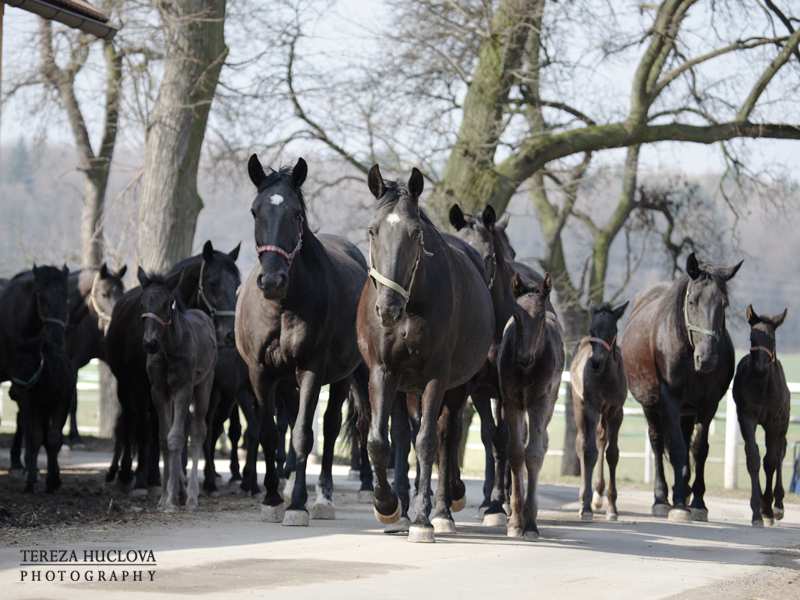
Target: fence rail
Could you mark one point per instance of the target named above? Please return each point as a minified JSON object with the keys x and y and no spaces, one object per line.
{"x":89,"y":382}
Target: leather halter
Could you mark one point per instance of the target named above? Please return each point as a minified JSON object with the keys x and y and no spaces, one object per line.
{"x":102,"y":316}
{"x":609,"y":346}
{"x":378,"y":277}
{"x":157,"y":319}
{"x":33,"y":379}
{"x":765,"y":350}
{"x":689,"y":326}
{"x":202,"y":296}
{"x":287,"y":256}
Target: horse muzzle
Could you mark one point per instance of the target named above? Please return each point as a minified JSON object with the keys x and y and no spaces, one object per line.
{"x":389,"y":314}
{"x":151,"y":346}
{"x":273,"y":285}
{"x":704,"y":362}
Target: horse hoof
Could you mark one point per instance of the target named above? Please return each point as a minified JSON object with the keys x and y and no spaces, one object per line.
{"x":612,"y":516}
{"x":295,"y":518}
{"x":281,"y":485}
{"x":481,"y":511}
{"x":401,"y":526}
{"x":138,"y":493}
{"x":679,"y":515}
{"x":587,"y":516}
{"x":597,"y":501}
{"x":769,"y":522}
{"x":323,"y":509}
{"x":387,"y":519}
{"x":169,"y":508}
{"x":421,"y":534}
{"x":514,"y":532}
{"x":273,"y":514}
{"x":531,"y":534}
{"x":354,"y":475}
{"x":458,"y":505}
{"x":366,"y":496}
{"x":494,"y":519}
{"x":699,"y":514}
{"x":507,"y":508}
{"x":660,"y":510}
{"x":778,"y":512}
{"x":757,"y":523}
{"x":18,"y":474}
{"x":443,"y":525}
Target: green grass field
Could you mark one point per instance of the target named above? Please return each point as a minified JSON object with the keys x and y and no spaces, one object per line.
{"x":632,"y":435}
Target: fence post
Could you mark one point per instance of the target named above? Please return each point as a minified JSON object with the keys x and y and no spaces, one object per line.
{"x":648,"y":459}
{"x":731,"y":435}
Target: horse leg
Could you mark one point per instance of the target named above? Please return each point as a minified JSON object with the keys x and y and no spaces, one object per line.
{"x":538,"y":418}
{"x":687,"y":428}
{"x":441,"y":518}
{"x":401,"y":438}
{"x":678,"y":455}
{"x":421,"y":529}
{"x":699,"y":449}
{"x":54,"y":439}
{"x":495,"y":514}
{"x":143,"y":449}
{"x":360,"y":393}
{"x":382,"y":393}
{"x":33,"y":433}
{"x":216,"y":420}
{"x":516,"y":459}
{"x":234,"y":435}
{"x":201,"y":406}
{"x":654,"y":429}
{"x":601,"y":442}
{"x":780,"y":439}
{"x":154,"y":455}
{"x":16,"y":444}
{"x":748,"y":428}
{"x":176,"y":441}
{"x":611,"y":432}
{"x":74,"y":435}
{"x":272,"y":507}
{"x":249,"y":407}
{"x":771,"y":464}
{"x":163,"y":409}
{"x":111,"y":474}
{"x":483,"y":406}
{"x":457,"y":489}
{"x":586,"y":449}
{"x":323,"y":507}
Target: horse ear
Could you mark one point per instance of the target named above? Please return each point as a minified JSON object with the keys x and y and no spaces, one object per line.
{"x":502,"y":223}
{"x":65,"y":270}
{"x":692,"y":266}
{"x":457,"y":217}
{"x":547,"y":284}
{"x":299,"y":172}
{"x":122,"y":271}
{"x":750,"y":313}
{"x":620,"y":310}
{"x":375,"y":181}
{"x":416,"y":183}
{"x":144,"y":280}
{"x":489,"y":216}
{"x":104,"y":273}
{"x":234,"y":254}
{"x":778,"y":320}
{"x":517,"y":286}
{"x":256,"y":171}
{"x":208,"y":251}
{"x":727,"y":273}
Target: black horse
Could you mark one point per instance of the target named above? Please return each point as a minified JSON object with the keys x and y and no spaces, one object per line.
{"x":425,"y":326}
{"x":92,"y":294}
{"x":208,"y":281}
{"x":181,"y":349}
{"x":599,"y":389}
{"x":679,"y":362}
{"x":294,"y":322}
{"x":33,"y":317}
{"x":762,"y":398}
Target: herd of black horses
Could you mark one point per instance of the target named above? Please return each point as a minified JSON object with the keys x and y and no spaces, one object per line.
{"x":403,"y":338}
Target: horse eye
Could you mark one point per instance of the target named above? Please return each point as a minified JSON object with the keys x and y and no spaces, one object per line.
{"x":371,"y":230}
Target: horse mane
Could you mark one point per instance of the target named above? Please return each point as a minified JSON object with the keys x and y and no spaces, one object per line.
{"x":274,"y":177}
{"x":168,"y":280}
{"x":603,"y":307}
{"x":395,"y":191}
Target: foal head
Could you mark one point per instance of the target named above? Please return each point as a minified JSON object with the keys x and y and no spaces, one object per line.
{"x":480,"y":233}
{"x":603,"y":334}
{"x":217,"y":282}
{"x":396,"y":244}
{"x":160,"y":301}
{"x":279,"y":212}
{"x":107,"y":288}
{"x":533,"y":298}
{"x":762,"y":338}
{"x":704,"y":302}
{"x":50,"y":300}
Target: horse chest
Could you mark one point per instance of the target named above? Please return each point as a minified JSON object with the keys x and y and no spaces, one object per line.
{"x":288,"y":343}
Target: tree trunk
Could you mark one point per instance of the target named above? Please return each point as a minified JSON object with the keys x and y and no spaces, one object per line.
{"x":94,"y":192}
{"x":195,"y":51}
{"x":108,"y":407}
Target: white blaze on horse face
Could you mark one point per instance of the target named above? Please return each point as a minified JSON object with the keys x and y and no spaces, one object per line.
{"x":276,"y":199}
{"x":392,"y":218}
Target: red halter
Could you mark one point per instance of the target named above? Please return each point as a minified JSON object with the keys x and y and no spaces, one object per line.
{"x":287,"y":256}
{"x":608,"y":346}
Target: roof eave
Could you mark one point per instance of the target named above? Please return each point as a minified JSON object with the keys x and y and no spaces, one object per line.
{"x":68,"y":17}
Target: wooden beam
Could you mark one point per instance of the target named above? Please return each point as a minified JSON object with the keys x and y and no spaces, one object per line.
{"x":71,"y":18}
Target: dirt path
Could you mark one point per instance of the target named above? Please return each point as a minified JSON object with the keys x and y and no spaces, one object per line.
{"x":225,"y":548}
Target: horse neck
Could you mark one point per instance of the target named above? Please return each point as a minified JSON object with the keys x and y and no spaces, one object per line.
{"x":676,"y":300}
{"x":307,"y":271}
{"x":502,"y":296}
{"x":173,"y":338}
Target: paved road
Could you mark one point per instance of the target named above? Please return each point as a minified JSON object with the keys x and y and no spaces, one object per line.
{"x":217,"y":555}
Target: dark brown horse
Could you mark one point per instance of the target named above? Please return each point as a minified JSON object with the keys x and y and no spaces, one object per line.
{"x":679,"y":362}
{"x":529,"y":363}
{"x":599,"y":389}
{"x":762,"y":398}
{"x":425,"y":324}
{"x":294,"y":323}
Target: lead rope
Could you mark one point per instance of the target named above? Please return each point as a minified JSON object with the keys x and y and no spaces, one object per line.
{"x":689,"y":327}
{"x":767,"y":351}
{"x":33,"y":378}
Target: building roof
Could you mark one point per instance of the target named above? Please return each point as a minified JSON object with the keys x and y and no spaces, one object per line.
{"x":78,"y":14}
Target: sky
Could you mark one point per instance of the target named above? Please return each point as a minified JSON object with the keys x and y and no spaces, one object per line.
{"x":347,"y":30}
